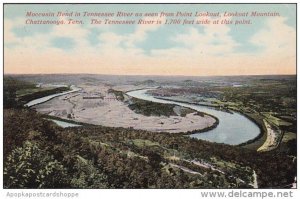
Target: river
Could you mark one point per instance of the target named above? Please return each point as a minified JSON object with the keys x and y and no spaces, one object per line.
{"x":64,"y":124}
{"x":233,"y":128}
{"x":49,"y":97}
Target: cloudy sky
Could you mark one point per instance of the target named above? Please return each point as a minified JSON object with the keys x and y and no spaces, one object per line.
{"x":267,"y":46}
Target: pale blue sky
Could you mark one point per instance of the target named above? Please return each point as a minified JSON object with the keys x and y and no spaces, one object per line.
{"x":159,"y":38}
{"x":153,"y":41}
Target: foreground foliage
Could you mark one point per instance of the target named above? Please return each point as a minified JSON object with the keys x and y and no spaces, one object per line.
{"x":39,"y":154}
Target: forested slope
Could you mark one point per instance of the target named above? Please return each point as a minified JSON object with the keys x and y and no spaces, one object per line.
{"x":39,"y":154}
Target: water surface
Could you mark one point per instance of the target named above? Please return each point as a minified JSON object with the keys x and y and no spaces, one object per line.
{"x":64,"y":124}
{"x":49,"y":97}
{"x":233,"y":128}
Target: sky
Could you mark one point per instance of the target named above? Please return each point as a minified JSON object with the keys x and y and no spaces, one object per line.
{"x":265,"y":47}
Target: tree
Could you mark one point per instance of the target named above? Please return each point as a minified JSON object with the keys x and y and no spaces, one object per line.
{"x":30,"y":167}
{"x":87,"y":175}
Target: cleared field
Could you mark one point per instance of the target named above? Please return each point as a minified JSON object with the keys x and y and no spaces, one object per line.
{"x":114,"y":111}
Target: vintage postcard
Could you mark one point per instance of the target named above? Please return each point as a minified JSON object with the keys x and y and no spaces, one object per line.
{"x":152,"y":96}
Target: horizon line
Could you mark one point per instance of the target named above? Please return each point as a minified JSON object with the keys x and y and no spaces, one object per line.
{"x":147,"y":75}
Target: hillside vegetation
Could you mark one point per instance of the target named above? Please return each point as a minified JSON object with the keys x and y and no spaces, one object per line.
{"x":39,"y":154}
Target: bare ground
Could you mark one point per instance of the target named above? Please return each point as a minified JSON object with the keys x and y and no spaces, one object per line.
{"x":108,"y":111}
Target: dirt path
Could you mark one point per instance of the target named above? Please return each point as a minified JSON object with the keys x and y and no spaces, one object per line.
{"x":254,"y":184}
{"x":270,"y":142}
{"x":185,"y":169}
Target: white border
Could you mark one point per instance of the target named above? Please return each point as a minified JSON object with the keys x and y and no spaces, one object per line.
{"x":128,"y":193}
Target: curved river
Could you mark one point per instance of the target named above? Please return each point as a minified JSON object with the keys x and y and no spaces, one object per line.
{"x":49,"y":97}
{"x":233,"y":128}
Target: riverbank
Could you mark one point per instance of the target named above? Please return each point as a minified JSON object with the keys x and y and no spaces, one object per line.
{"x":46,"y":96}
{"x":204,"y":129}
{"x":50,"y":117}
{"x":194,"y":103}
{"x":258,"y":141}
{"x":25,"y":99}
